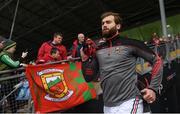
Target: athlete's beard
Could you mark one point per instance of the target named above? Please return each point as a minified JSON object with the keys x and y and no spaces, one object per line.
{"x":109,"y":33}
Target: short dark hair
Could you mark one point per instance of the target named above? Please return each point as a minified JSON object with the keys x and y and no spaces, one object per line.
{"x":57,"y":34}
{"x":54,"y":50}
{"x":117,"y":18}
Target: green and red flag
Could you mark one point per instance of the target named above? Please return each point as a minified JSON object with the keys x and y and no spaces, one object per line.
{"x":58,"y":86}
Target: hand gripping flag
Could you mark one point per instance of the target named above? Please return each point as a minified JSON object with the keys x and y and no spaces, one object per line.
{"x":58,"y":87}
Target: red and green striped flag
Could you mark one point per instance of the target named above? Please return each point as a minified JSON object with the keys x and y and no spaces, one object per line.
{"x":58,"y":86}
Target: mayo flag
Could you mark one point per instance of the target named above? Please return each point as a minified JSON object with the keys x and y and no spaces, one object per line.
{"x":58,"y":86}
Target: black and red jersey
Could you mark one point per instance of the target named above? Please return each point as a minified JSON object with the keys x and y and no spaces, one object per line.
{"x":116,"y":60}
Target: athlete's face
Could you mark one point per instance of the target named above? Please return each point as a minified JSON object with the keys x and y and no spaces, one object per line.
{"x":109,"y":27}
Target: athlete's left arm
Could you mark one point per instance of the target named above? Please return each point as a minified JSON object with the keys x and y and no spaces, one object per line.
{"x":141,"y":50}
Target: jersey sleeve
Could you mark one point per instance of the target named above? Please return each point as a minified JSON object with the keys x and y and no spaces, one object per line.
{"x":141,"y":50}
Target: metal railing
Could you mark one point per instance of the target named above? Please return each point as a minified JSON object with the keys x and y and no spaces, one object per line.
{"x":169,"y":51}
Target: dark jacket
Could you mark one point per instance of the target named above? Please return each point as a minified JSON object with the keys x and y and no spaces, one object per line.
{"x":76,"y":49}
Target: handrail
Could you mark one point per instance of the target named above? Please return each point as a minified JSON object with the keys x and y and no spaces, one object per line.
{"x":12,"y":70}
{"x":23,"y":68}
{"x":12,"y":76}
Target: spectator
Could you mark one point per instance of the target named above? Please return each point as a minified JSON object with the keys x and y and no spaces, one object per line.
{"x":1,"y":44}
{"x":54,"y":55}
{"x":77,"y":45}
{"x":155,"y":39}
{"x":2,"y":40}
{"x":6,"y":62}
{"x":7,"y":54}
{"x":46,"y":47}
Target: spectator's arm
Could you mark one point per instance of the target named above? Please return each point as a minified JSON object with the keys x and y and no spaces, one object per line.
{"x":41,"y":51}
{"x":8,"y":61}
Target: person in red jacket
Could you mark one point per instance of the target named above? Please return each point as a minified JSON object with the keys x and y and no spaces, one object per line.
{"x":46,"y":47}
{"x":155,"y":39}
{"x":77,"y":45}
{"x":54,"y":55}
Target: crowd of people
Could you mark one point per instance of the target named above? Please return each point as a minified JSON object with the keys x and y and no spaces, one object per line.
{"x":111,"y":59}
{"x":8,"y":47}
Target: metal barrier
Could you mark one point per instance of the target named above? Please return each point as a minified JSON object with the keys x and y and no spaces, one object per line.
{"x":169,"y":51}
{"x":9,"y":88}
{"x":10,"y":84}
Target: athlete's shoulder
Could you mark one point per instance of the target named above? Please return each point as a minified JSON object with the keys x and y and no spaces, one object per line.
{"x":134,"y":43}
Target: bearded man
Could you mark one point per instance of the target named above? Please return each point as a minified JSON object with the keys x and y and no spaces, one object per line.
{"x":115,"y":64}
